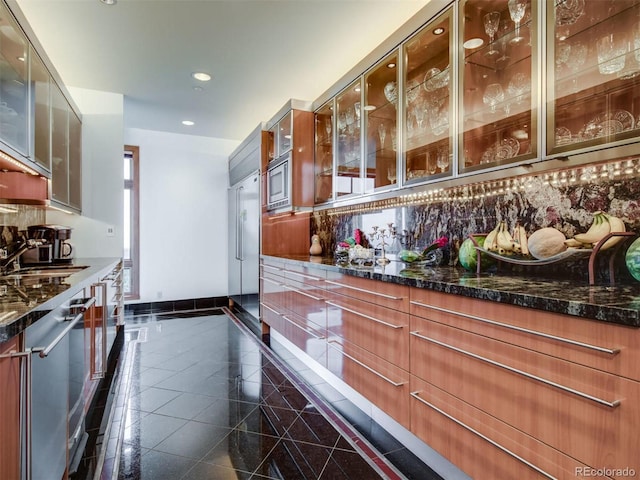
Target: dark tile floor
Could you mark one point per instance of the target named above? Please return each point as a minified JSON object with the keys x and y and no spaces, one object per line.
{"x":199,"y":397}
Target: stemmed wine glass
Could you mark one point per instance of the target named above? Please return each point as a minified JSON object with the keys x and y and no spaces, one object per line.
{"x":382,"y":131}
{"x":418,"y":112}
{"x":491,"y":24}
{"x":516,"y":10}
{"x":443,"y":159}
{"x":431,"y":164}
{"x":493,"y":95}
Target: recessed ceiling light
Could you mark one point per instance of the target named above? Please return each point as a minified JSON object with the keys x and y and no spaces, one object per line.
{"x":21,"y":58}
{"x":369,"y":108}
{"x":203,"y":77}
{"x":188,"y":123}
{"x":109,"y":2}
{"x":391,"y":65}
{"x":473,"y":43}
{"x":357,"y":89}
{"x":438,"y":31}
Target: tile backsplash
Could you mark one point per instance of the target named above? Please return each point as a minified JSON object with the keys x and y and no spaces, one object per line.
{"x":564,"y":200}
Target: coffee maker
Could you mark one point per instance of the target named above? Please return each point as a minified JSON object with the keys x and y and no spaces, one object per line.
{"x":55,"y":236}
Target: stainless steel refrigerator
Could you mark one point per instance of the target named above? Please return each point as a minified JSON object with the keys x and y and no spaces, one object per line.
{"x":244,"y":247}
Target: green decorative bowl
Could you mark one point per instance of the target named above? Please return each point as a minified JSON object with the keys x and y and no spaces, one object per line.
{"x":632,"y":259}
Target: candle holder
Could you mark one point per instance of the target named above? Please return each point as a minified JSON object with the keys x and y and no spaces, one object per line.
{"x":381,"y":234}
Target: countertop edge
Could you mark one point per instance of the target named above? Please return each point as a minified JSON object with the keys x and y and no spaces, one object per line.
{"x":586,"y":306}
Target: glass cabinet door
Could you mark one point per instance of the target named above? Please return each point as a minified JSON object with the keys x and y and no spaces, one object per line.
{"x":498,"y":88}
{"x":14,"y":66}
{"x":348,"y":148}
{"x":285,"y":131}
{"x":594,"y":72}
{"x":324,"y":153}
{"x":59,"y":146}
{"x":427,"y":106}
{"x":381,"y":116}
{"x":75,"y":160}
{"x":41,"y":112}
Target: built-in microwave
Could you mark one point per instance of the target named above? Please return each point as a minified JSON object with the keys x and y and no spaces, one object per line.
{"x":279,"y":183}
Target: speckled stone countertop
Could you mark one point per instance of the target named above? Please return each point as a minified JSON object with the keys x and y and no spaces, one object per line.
{"x":618,"y":304}
{"x":26,"y":299}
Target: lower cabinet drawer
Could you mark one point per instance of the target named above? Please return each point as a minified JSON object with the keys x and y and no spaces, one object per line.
{"x":379,"y":330}
{"x":382,"y":383}
{"x":307,"y":336}
{"x":481,"y":445}
{"x":588,"y":414}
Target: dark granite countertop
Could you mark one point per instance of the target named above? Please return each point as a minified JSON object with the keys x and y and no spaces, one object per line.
{"x":27,"y":298}
{"x":618,"y":304}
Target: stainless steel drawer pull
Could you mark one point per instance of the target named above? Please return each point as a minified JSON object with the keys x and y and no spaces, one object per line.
{"x":303,"y":293}
{"x":383,"y":295}
{"x":559,"y":386}
{"x":44,"y":351}
{"x":363,"y":365}
{"x":271,"y":281}
{"x":416,"y":395}
{"x":270,"y":309}
{"x":303,"y":275}
{"x":610,"y":351}
{"x":269,"y":267}
{"x":355,"y":312}
{"x":309,"y":331}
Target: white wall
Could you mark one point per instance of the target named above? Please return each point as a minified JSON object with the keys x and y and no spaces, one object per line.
{"x":102,"y":176}
{"x":183,"y":214}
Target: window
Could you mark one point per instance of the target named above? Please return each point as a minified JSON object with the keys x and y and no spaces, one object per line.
{"x":131,"y":274}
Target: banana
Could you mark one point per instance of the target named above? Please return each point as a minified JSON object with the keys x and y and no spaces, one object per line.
{"x":573,"y":243}
{"x":520,"y":237}
{"x":599,"y":228}
{"x":616,"y":225}
{"x":490,"y":242}
{"x":505,"y":240}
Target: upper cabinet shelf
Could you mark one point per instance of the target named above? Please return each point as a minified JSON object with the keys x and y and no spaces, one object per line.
{"x":480,"y":86}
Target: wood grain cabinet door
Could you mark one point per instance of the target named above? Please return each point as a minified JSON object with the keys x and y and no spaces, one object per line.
{"x":10,"y":410}
{"x":481,"y":445}
{"x":588,"y":414}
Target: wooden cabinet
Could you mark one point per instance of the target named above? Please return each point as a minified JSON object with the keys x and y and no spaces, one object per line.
{"x":535,"y":372}
{"x":10,"y":408}
{"x":323,"y":165}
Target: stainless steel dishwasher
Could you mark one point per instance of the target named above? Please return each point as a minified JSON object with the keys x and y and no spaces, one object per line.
{"x":55,"y":414}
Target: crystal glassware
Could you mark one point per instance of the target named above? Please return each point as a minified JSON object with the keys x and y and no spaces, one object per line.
{"x":382,"y":132}
{"x":576,"y":59}
{"x":491,"y":24}
{"x":612,"y":49}
{"x":432,"y":163}
{"x":493,"y":95}
{"x":516,"y":10}
{"x":518,"y":86}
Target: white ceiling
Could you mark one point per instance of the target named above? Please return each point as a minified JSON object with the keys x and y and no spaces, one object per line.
{"x":260,"y":53}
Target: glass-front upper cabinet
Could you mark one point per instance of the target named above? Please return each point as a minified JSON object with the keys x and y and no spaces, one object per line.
{"x":428,"y":105}
{"x":60,"y":146}
{"x":498,"y":88}
{"x":41,"y":112}
{"x":284,"y":134}
{"x":324,"y":153}
{"x":348,"y":144}
{"x":381,"y":116}
{"x":75,"y":160}
{"x":14,"y":75}
{"x":593,"y":72}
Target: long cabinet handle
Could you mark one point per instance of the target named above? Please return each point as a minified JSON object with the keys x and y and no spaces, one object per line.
{"x":303,"y":293}
{"x":269,"y":267}
{"x":270,"y":309}
{"x":355,"y":312}
{"x":45,"y":351}
{"x":559,"y":386}
{"x":364,"y":290}
{"x":610,"y":351}
{"x":417,"y":396}
{"x":291,"y":272}
{"x":309,"y":331}
{"x":364,"y":365}
{"x":271,"y":281}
